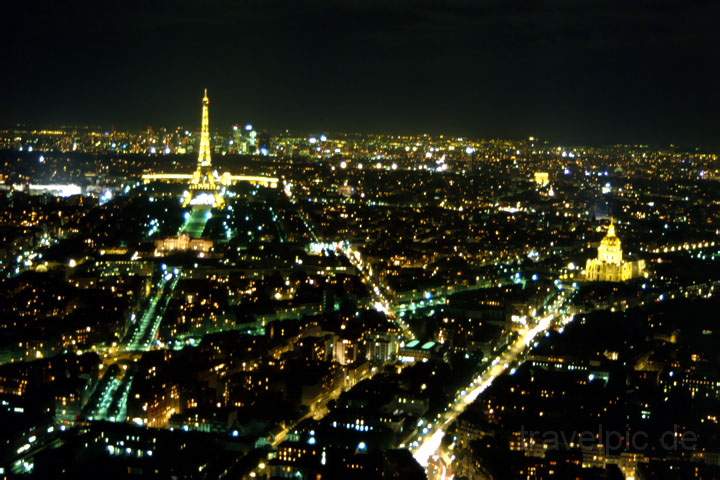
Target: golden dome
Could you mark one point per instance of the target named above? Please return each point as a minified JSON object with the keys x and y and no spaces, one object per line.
{"x":611,"y":228}
{"x":611,"y":239}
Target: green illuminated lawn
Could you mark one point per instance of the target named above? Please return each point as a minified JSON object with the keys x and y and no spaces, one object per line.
{"x":195,"y":224}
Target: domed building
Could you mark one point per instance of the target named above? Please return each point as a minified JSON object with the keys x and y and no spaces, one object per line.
{"x":609,"y":265}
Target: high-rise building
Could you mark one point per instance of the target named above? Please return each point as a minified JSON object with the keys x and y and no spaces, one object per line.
{"x":245,"y":139}
{"x":345,"y":351}
{"x":382,"y":349}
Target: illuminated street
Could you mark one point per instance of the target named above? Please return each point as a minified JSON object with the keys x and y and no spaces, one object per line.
{"x":428,"y":441}
{"x":144,"y":331}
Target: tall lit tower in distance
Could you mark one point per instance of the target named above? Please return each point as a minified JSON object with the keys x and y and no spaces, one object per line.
{"x":205,"y":185}
{"x":205,"y":188}
{"x":204,"y":160}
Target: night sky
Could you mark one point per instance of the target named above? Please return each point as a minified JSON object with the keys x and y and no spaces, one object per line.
{"x":570,"y":70}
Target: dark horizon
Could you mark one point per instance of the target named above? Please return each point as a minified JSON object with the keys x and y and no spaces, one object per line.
{"x":602,"y":73}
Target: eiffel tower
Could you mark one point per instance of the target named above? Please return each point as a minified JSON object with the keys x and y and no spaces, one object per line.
{"x":205,"y":187}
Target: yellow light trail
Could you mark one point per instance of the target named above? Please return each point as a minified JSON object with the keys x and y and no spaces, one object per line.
{"x":431,"y":442}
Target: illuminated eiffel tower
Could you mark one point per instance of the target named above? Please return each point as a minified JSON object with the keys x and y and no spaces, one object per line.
{"x":205,"y":186}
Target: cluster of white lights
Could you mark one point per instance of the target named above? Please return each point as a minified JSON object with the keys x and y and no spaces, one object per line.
{"x":203,"y":199}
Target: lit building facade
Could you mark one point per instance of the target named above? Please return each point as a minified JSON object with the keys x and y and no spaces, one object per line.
{"x":345,"y":351}
{"x":542,"y":179}
{"x":609,"y":265}
{"x":183,"y":243}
